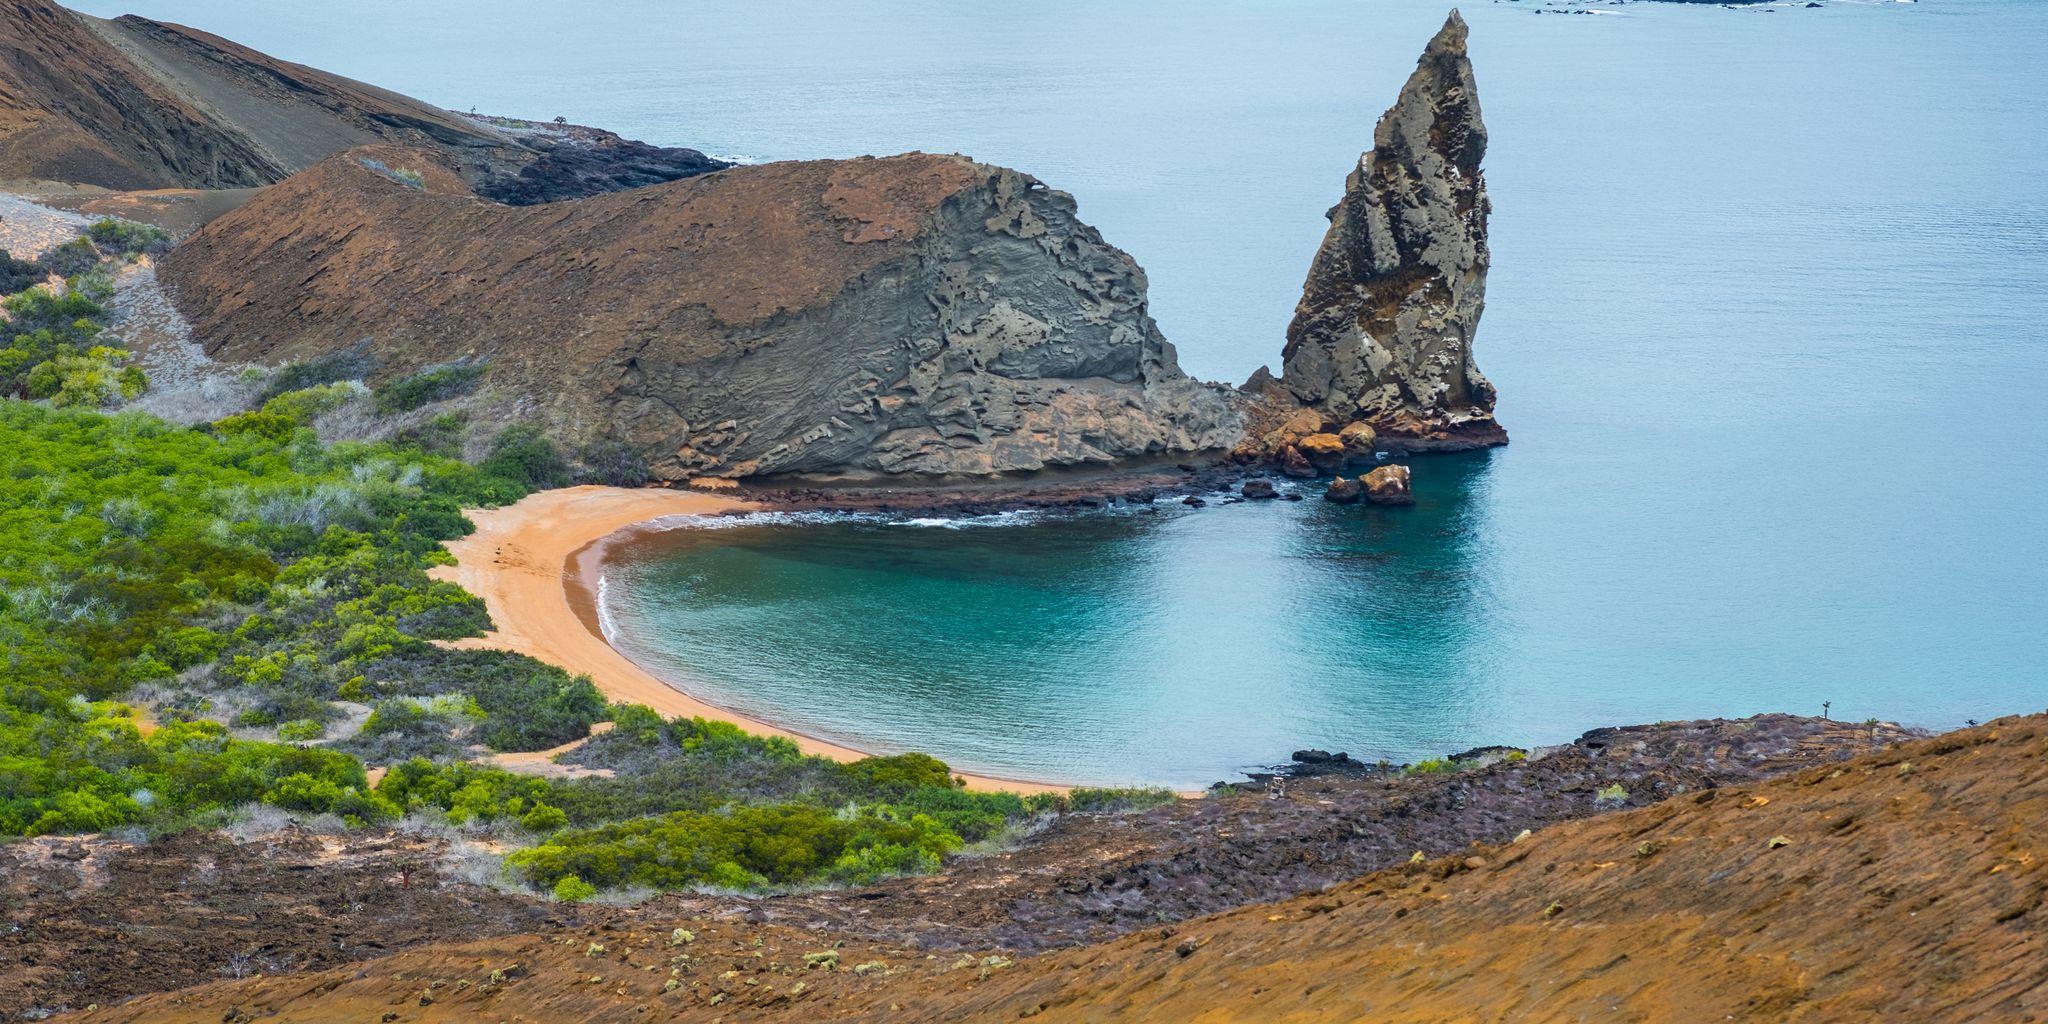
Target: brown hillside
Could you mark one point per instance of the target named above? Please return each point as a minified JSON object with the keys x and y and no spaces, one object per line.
{"x":1906,"y":885}
{"x":131,"y":103}
{"x":907,"y":314}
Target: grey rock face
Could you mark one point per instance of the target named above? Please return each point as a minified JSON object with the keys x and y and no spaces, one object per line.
{"x":1011,"y":338}
{"x":1383,"y":333}
{"x":853,"y":319}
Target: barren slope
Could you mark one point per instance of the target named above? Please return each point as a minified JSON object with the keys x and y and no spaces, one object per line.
{"x":131,"y":103}
{"x":1904,"y":885}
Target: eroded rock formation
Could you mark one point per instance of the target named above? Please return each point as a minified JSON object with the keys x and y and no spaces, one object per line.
{"x":1383,"y":334}
{"x":916,"y":314}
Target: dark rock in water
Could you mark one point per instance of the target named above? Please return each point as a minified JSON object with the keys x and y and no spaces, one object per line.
{"x":1193,"y":502}
{"x":1344,"y":491}
{"x":1383,"y":333}
{"x":1388,"y":485}
{"x":1292,"y":496}
{"x":1295,"y":464}
{"x":574,"y":161}
{"x":1258,"y":489}
{"x":1313,"y":756}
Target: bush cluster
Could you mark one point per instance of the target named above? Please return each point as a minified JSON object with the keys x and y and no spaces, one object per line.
{"x":246,"y":570}
{"x":741,"y":847}
{"x":126,"y":238}
{"x":133,"y":551}
{"x":433,"y":384}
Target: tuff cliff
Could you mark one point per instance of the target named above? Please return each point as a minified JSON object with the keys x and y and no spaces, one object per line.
{"x":916,"y":314}
{"x":1383,"y":334}
{"x":130,"y":103}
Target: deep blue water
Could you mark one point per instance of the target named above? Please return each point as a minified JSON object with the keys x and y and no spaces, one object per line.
{"x":1766,"y":313}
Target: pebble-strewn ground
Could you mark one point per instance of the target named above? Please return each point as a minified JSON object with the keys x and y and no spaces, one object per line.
{"x":27,"y":230}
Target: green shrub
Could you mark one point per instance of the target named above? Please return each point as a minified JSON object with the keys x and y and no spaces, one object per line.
{"x":72,"y":258}
{"x":637,"y":723}
{"x":443,"y":435}
{"x":348,"y":364}
{"x":570,"y":889}
{"x":121,"y":237}
{"x":1118,"y":801}
{"x":300,"y":730}
{"x":433,"y":384}
{"x":611,"y":462}
{"x":94,"y":378}
{"x":901,"y":772}
{"x":16,"y":275}
{"x":543,"y":819}
{"x":740,"y":848}
{"x":525,"y":456}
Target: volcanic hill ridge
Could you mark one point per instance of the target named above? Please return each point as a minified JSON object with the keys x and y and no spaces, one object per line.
{"x":1907,"y":884}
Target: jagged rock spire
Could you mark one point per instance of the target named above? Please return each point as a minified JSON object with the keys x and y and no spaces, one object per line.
{"x":1383,"y":334}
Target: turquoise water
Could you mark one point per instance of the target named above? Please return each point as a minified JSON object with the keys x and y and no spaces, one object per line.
{"x":1766,"y":315}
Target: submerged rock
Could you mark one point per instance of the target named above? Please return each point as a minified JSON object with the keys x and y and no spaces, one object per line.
{"x":1388,"y":485}
{"x":1383,"y":333}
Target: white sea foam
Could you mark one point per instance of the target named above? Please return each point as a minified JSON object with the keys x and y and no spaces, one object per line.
{"x":1014,"y":517}
{"x":606,"y":627}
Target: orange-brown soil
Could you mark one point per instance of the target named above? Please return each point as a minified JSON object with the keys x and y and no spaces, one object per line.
{"x":1906,"y":884}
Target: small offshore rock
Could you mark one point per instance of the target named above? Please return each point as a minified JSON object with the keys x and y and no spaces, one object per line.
{"x":1388,"y":485}
{"x":1193,"y":502}
{"x":1258,"y":489}
{"x":1314,"y":756}
{"x":1344,"y":491}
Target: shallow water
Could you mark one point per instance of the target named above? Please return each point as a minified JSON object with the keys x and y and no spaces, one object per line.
{"x":1766,"y":315}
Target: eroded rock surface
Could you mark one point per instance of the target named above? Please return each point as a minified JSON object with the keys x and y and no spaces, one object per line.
{"x":868,"y":318}
{"x":1383,"y":334}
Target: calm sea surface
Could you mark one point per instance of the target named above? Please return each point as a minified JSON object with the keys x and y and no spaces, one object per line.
{"x":1769,"y":317}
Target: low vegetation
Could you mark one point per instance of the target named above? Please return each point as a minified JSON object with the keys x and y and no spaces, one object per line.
{"x":126,"y":238}
{"x":246,"y":584}
{"x":433,"y":384}
{"x":700,"y":803}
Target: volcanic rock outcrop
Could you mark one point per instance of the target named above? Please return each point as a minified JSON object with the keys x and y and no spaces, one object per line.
{"x":915,"y":314}
{"x":131,"y":103}
{"x":1383,"y":333}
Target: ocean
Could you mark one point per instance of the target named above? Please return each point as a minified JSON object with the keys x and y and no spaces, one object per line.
{"x":1766,"y":314}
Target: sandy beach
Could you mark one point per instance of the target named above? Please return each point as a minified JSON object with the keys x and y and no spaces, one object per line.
{"x":523,"y":561}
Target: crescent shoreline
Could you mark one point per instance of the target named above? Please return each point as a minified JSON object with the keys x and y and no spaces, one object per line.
{"x":529,"y":562}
